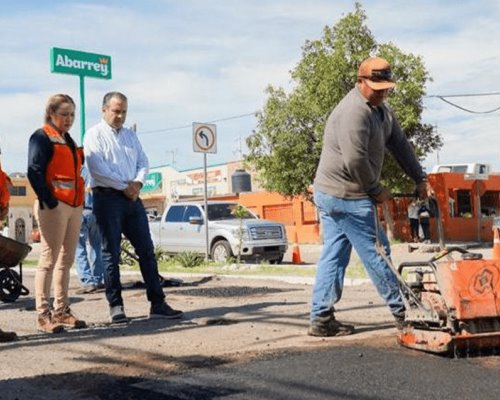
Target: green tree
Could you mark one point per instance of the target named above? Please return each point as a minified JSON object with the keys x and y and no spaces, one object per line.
{"x":286,"y":145}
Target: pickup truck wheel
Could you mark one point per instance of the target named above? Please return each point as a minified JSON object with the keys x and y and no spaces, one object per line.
{"x":221,"y":251}
{"x":278,"y":260}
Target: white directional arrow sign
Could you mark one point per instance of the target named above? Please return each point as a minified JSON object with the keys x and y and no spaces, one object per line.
{"x":204,"y":138}
{"x":205,"y":141}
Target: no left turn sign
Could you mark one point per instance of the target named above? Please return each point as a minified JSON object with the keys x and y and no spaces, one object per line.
{"x":204,"y":138}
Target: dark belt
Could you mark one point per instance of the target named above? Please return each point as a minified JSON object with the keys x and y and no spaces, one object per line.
{"x":100,"y":189}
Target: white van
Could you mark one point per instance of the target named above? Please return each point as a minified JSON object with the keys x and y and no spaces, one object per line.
{"x":470,"y":170}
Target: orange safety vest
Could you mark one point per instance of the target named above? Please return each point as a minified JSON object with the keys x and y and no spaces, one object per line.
{"x":4,"y":189}
{"x":63,"y":170}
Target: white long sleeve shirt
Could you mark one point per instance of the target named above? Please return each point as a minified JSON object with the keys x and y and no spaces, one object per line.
{"x":114,"y":158}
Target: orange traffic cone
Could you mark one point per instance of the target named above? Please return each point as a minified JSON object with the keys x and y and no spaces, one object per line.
{"x":496,"y":243}
{"x":296,"y":251}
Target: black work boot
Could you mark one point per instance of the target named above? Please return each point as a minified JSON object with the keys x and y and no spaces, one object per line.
{"x":329,"y":326}
{"x":7,"y":336}
{"x":399,"y":321}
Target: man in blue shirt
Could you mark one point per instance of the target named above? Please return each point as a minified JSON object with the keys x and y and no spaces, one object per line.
{"x":118,"y":168}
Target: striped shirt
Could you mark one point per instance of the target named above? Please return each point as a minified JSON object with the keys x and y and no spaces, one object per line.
{"x":114,"y":158}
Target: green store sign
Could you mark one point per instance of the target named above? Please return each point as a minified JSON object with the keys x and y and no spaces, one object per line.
{"x":75,"y":62}
{"x":153,"y":183}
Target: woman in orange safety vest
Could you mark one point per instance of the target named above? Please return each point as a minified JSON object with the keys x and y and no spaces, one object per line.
{"x":54,"y":163}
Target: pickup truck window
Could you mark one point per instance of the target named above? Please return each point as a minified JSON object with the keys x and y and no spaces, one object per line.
{"x":191,"y":211}
{"x":217,"y":212}
{"x":175,"y":214}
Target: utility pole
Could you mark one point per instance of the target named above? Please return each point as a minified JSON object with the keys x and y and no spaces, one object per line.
{"x":239,"y":149}
{"x":172,"y":153}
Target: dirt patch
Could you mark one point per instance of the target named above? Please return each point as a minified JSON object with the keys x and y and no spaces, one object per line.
{"x":225,"y":319}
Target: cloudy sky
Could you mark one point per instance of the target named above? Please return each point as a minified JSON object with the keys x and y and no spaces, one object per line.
{"x":185,"y":61}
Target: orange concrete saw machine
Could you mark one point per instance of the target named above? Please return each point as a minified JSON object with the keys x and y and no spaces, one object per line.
{"x":452,"y":301}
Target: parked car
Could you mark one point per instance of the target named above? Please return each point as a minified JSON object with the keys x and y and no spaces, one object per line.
{"x":182,"y":229}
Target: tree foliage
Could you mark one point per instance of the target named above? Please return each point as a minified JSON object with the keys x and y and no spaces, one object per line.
{"x":286,"y":145}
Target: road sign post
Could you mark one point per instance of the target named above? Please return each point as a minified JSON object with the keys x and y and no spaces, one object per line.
{"x":205,"y":141}
{"x":74,"y":62}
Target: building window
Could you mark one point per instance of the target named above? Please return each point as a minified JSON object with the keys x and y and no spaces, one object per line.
{"x":490,"y":203}
{"x":464,"y":204}
{"x":17,"y":191}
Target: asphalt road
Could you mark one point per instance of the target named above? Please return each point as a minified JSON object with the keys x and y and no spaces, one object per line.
{"x":351,"y":372}
{"x":241,"y":338}
{"x":342,"y":372}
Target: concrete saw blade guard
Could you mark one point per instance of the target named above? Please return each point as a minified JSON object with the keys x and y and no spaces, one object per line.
{"x":451,"y":304}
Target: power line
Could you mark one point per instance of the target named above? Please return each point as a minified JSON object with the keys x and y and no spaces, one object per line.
{"x":443,"y":98}
{"x":465,"y":95}
{"x":468,"y":110}
{"x":175,"y":128}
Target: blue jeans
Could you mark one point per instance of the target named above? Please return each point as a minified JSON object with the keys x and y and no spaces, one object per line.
{"x":89,"y":266}
{"x":350,"y":223}
{"x":117,"y":215}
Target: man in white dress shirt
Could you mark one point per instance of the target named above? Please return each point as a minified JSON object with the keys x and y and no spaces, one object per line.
{"x":118,"y":168}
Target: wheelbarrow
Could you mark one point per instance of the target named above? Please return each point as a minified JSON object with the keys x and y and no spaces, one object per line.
{"x":12,"y":253}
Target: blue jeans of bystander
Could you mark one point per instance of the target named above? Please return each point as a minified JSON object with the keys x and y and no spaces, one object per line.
{"x":89,"y":266}
{"x":349,"y":223}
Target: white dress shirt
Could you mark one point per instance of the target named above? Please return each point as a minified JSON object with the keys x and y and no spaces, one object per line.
{"x":114,"y":158}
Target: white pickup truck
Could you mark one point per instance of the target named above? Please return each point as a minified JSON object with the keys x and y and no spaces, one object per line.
{"x":182,"y":229}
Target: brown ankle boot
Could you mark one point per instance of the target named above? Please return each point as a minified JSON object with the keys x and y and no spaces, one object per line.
{"x":65,"y":317}
{"x":47,"y":324}
{"x":7,"y":336}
